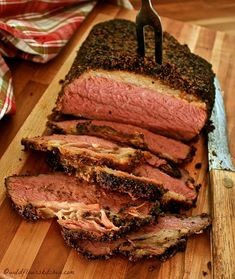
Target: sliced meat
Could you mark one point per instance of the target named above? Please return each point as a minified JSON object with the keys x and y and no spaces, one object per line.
{"x":74,"y":150}
{"x":110,"y":81}
{"x":184,"y":187}
{"x":93,"y":212}
{"x":161,"y":240}
{"x":121,"y":181}
{"x":96,"y":94}
{"x":150,"y":186}
{"x":87,"y":149}
{"x":164,"y":147}
{"x":171,"y":169}
{"x":145,"y":180}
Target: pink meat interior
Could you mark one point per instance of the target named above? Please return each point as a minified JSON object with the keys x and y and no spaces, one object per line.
{"x":181,"y":186}
{"x":106,"y":99}
{"x":61,"y":188}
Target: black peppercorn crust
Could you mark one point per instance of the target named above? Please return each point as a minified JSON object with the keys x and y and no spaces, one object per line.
{"x":112,"y":45}
{"x":73,"y":241}
{"x":128,"y":246}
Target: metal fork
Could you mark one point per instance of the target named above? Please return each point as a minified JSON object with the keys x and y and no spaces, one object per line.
{"x":148,"y":16}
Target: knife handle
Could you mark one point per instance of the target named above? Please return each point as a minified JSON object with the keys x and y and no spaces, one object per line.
{"x":223,"y":224}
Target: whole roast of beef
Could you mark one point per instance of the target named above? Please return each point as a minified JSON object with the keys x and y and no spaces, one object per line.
{"x":110,"y":81}
{"x":121,"y":135}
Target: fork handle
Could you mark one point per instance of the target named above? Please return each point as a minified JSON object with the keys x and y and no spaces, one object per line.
{"x":146,"y":4}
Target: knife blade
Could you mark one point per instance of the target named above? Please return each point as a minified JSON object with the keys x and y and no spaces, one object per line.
{"x":222,"y":183}
{"x":218,"y":150}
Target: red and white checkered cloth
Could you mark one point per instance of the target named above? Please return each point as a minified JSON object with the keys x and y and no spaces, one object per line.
{"x":34,"y":30}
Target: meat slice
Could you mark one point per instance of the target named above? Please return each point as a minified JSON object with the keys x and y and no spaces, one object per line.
{"x":135,"y":186}
{"x":173,"y":194}
{"x":87,"y":149}
{"x":161,"y":240}
{"x":184,"y":187}
{"x":73,"y":150}
{"x":110,"y":81}
{"x":164,"y":147}
{"x":93,"y":212}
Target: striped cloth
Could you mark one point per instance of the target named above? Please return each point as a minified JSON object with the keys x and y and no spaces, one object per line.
{"x":34,"y":30}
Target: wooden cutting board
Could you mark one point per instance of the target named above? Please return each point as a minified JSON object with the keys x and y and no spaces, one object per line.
{"x":37,"y":250}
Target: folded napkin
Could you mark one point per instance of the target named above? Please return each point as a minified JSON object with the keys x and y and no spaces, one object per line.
{"x":36,"y":30}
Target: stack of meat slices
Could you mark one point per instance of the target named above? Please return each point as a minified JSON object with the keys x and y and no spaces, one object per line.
{"x":110,"y":198}
{"x":118,"y":181}
{"x":138,"y":173}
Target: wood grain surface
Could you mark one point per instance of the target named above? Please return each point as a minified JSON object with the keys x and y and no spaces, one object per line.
{"x":218,"y":15}
{"x":223,"y":212}
{"x":29,"y":249}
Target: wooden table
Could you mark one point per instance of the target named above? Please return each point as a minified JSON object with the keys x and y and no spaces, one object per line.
{"x":214,"y":14}
{"x":36,"y":247}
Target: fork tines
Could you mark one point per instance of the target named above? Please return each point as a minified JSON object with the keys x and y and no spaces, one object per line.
{"x":148,"y":17}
